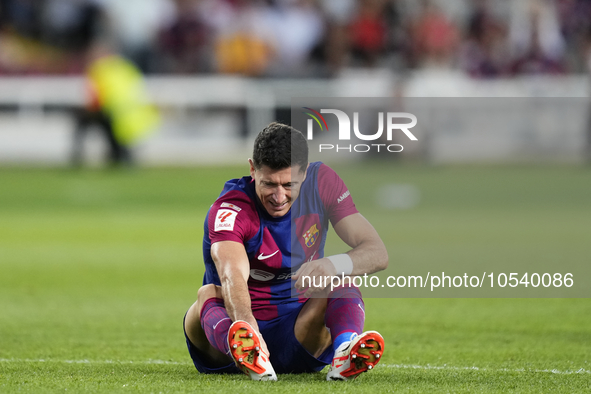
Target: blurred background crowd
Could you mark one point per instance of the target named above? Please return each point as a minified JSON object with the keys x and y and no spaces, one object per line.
{"x":299,"y":38}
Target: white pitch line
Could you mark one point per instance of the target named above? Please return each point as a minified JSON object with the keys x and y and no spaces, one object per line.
{"x":396,"y":366}
{"x":452,"y":368}
{"x":28,"y":360}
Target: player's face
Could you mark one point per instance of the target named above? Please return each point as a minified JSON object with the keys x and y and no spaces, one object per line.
{"x":277,"y":189}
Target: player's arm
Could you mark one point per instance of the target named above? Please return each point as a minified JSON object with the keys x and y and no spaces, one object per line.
{"x":368,"y":252}
{"x":232,"y":266}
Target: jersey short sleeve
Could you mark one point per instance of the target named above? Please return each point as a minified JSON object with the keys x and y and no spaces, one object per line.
{"x":232,"y":217}
{"x":334,"y":194}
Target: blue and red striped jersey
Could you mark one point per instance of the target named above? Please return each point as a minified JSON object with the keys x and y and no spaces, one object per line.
{"x":276,"y":247}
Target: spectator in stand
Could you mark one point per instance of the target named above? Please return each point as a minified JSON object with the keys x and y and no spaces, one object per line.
{"x":184,"y":44}
{"x":482,"y":54}
{"x":137,"y":24}
{"x":397,"y":40}
{"x":335,"y":51}
{"x":298,"y":28}
{"x":243,"y":38}
{"x":72,"y":25}
{"x":363,"y":33}
{"x":575,"y":22}
{"x":537,"y":44}
{"x":368,"y":32}
{"x":22,"y":16}
{"x":48,"y":37}
{"x":434,"y":37}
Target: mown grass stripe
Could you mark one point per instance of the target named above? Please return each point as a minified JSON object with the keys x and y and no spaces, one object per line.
{"x":395,"y":366}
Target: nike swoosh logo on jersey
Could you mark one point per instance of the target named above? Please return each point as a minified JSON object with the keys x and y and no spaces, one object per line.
{"x":261,"y":257}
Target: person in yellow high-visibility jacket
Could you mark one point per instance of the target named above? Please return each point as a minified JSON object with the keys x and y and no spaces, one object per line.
{"x":118,"y":104}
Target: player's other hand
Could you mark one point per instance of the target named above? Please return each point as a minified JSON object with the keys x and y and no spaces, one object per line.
{"x":314,"y":278}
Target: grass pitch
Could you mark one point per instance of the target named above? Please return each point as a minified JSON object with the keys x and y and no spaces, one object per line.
{"x":97,"y":269}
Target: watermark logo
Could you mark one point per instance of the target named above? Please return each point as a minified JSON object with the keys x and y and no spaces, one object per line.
{"x":315,"y":117}
{"x":395,"y":122}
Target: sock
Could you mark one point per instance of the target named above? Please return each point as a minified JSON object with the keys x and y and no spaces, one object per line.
{"x":344,"y":337}
{"x":216,"y":323}
{"x":345,"y":314}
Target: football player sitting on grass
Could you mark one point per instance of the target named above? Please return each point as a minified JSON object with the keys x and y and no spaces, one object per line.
{"x":264,"y":239}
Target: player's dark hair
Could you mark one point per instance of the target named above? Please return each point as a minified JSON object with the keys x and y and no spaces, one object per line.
{"x":280,"y":146}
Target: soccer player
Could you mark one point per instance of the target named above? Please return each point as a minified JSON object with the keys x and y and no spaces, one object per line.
{"x":246,"y":317}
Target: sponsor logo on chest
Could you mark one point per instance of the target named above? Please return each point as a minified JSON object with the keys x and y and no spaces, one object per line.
{"x":265,"y":276}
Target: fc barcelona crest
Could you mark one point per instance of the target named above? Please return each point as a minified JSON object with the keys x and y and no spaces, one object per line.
{"x":311,"y":235}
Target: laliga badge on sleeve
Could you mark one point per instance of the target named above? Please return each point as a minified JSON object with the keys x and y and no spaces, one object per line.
{"x":225,"y":219}
{"x":228,"y":205}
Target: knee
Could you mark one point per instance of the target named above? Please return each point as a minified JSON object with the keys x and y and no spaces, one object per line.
{"x":345,"y":292}
{"x":207,"y":292}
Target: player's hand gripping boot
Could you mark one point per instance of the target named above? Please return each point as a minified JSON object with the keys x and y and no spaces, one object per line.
{"x":359,"y":355}
{"x":245,"y":348}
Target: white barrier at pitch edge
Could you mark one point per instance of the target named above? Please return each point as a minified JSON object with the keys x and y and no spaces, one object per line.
{"x":192,"y":130}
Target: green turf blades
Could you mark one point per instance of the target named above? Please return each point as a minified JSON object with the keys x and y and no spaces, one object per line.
{"x":97,"y":270}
